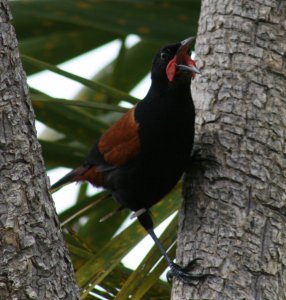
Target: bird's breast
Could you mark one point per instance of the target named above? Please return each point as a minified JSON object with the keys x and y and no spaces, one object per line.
{"x":167,"y":131}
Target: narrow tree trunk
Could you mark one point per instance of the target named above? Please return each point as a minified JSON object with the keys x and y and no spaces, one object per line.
{"x":34,"y":262}
{"x":234,"y":215}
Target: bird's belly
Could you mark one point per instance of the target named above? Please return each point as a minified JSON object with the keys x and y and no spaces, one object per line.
{"x":145,"y":181}
{"x":162,"y":160}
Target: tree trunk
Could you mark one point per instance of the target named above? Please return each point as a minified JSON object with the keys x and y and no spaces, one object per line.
{"x":234,"y":215}
{"x":34,"y":262}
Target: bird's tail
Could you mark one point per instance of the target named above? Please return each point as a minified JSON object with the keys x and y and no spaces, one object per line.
{"x":72,"y":176}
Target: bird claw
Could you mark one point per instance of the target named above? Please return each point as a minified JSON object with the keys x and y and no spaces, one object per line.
{"x":199,"y":158}
{"x":182,"y":273}
{"x":198,"y":161}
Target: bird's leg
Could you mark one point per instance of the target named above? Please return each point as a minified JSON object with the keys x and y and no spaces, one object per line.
{"x":138,"y":213}
{"x":182,"y":273}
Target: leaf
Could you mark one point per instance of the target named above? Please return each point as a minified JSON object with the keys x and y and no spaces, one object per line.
{"x":86,"y":207}
{"x":167,"y":20}
{"x":60,"y":154}
{"x":133,"y":68}
{"x":53,"y":47}
{"x":96,"y":86}
{"x":37,"y":99}
{"x":83,"y":205}
{"x":75,"y":123}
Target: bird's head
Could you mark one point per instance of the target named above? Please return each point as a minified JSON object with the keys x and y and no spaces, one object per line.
{"x":173,"y":60}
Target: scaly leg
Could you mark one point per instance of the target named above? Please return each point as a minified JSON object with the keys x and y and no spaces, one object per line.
{"x":182,"y":273}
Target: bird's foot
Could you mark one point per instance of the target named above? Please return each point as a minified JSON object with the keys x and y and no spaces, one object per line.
{"x":198,"y":161}
{"x":183,"y":273}
{"x":199,"y":158}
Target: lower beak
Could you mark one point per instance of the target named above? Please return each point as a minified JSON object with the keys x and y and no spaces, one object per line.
{"x":190,"y":68}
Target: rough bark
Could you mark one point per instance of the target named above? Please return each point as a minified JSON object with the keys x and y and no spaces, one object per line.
{"x":234,"y":215}
{"x":34,"y":262}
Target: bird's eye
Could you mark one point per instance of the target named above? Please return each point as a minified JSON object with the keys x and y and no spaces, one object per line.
{"x":164,"y":56}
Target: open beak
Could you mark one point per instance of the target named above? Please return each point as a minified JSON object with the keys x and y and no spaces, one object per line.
{"x":183,"y":61}
{"x":190,"y":68}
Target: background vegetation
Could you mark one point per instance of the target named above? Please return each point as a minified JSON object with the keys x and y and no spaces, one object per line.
{"x":51,"y":32}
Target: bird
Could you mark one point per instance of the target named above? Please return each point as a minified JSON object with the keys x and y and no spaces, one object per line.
{"x":143,"y":155}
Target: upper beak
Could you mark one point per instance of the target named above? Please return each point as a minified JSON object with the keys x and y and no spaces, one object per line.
{"x":183,"y":56}
{"x":189,"y":41}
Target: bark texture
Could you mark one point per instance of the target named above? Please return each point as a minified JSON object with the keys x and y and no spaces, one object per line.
{"x":34,"y":262}
{"x":234,"y":215}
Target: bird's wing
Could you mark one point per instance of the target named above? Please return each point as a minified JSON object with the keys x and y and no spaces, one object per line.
{"x":118,"y":145}
{"x":121,"y":143}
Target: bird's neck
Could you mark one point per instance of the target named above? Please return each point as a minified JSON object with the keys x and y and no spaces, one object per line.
{"x":158,"y":87}
{"x":181,"y":83}
{"x":180,"y":89}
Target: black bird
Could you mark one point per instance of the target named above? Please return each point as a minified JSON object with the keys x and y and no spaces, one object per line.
{"x":144,"y":154}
